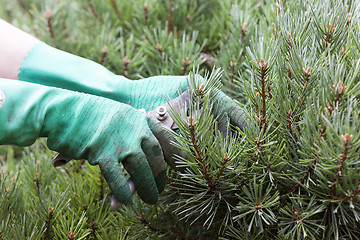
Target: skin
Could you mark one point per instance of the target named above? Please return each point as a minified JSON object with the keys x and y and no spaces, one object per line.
{"x":14,"y":47}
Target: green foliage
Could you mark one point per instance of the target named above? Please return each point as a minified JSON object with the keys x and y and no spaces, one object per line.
{"x":293,"y":173}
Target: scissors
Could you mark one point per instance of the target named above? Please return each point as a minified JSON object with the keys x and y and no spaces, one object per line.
{"x":161,"y":114}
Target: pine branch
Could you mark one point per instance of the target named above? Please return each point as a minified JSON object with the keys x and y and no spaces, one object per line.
{"x":48,"y":16}
{"x":114,"y":6}
{"x":340,"y":90}
{"x":185,"y":64}
{"x":126,"y":62}
{"x":148,"y":225}
{"x":263,"y":71}
{"x":48,"y":223}
{"x":343,"y":157}
{"x":222,"y":168}
{"x":36,"y":181}
{"x":94,"y":12}
{"x":198,"y":155}
{"x":146,"y":13}
{"x":104,"y":52}
{"x":170,"y":16}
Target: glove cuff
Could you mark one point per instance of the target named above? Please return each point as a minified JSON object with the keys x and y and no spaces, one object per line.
{"x":49,"y":66}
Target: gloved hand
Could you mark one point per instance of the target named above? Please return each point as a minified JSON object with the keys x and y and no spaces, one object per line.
{"x":49,"y":66}
{"x":83,"y":126}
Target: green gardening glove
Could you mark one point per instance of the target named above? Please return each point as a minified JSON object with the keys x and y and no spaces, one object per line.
{"x":52,"y":67}
{"x":82,"y":126}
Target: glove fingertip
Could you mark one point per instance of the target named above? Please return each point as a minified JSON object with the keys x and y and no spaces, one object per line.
{"x":116,"y":180}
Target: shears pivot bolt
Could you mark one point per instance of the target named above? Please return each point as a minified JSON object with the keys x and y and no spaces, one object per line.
{"x":161,"y":113}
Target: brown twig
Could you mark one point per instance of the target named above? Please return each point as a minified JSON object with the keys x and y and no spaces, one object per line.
{"x":222,"y":168}
{"x":93,"y":228}
{"x":339,"y":92}
{"x":259,"y":154}
{"x":126,"y":62}
{"x":352,"y":196}
{"x":328,"y":35}
{"x":71,"y":236}
{"x":348,"y":20}
{"x":243,"y":30}
{"x":104,"y":52}
{"x":146,"y":13}
{"x":170,"y":16}
{"x":185,"y":64}
{"x":289,"y":121}
{"x":263,"y":71}
{"x":36,"y":181}
{"x":306,"y":79}
{"x":198,"y":155}
{"x":145,"y":222}
{"x":93,"y":11}
{"x":48,"y":222}
{"x":159,"y":48}
{"x":26,"y":9}
{"x":114,"y":6}
{"x":48,"y":16}
{"x":346,"y":139}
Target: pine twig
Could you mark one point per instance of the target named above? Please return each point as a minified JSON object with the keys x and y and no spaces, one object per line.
{"x":146,"y":13}
{"x":170,"y":16}
{"x":71,"y":236}
{"x":327,"y":36}
{"x":352,"y":196}
{"x":343,"y":157}
{"x":26,"y":9}
{"x":289,"y":120}
{"x":340,"y":91}
{"x":48,"y":16}
{"x":306,"y":79}
{"x":243,"y":30}
{"x":198,"y":155}
{"x":146,"y":223}
{"x":259,"y":154}
{"x":93,"y":11}
{"x":104,"y":52}
{"x":159,"y":48}
{"x":93,"y":228}
{"x":48,"y":222}
{"x":114,"y":6}
{"x":222,"y":168}
{"x":36,"y":181}
{"x":263,"y":71}
{"x":185,"y":64}
{"x":126,"y":62}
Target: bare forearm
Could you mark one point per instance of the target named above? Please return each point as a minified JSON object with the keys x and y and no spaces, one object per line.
{"x":14,"y":46}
